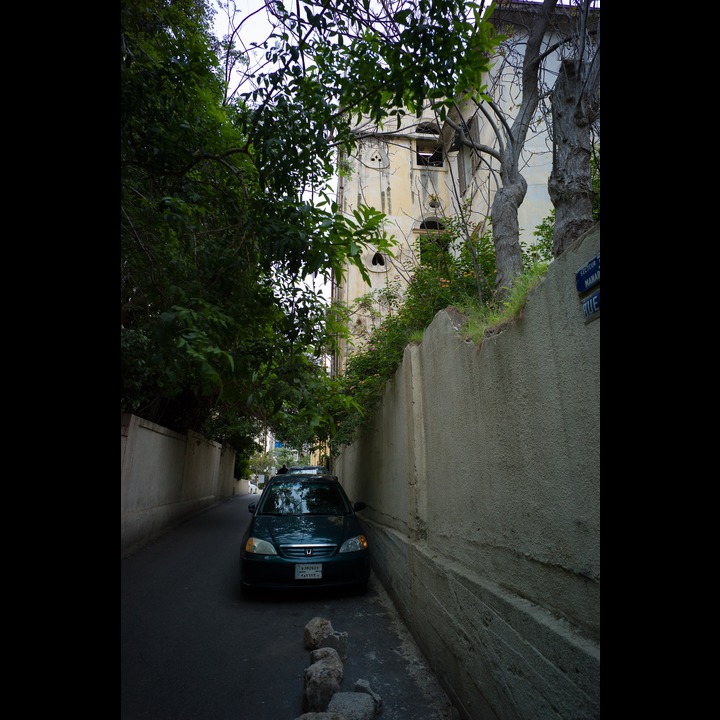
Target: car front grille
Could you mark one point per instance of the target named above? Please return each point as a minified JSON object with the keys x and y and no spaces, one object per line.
{"x":308,"y":552}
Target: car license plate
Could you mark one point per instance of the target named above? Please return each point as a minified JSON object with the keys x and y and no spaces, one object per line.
{"x":308,"y":572}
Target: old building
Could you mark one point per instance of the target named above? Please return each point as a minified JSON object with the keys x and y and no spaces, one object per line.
{"x":420,"y":174}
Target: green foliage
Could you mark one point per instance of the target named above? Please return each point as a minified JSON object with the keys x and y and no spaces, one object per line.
{"x":215,"y":328}
{"x":261,"y":461}
{"x":542,"y":251}
{"x":442,"y":280}
{"x":485,"y":320}
{"x":226,"y":203}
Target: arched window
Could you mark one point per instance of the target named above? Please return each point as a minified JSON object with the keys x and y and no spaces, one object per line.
{"x":431,"y":225}
{"x":432,"y":241}
{"x":377,"y":158}
{"x":429,"y":128}
{"x":375,"y":261}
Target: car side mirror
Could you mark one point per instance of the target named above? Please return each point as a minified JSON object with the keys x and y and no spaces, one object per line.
{"x":359,"y":505}
{"x":251,"y":507}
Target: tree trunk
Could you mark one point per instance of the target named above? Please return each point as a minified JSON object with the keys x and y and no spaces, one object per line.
{"x":504,"y":211}
{"x":506,"y":235}
{"x":570,"y":183}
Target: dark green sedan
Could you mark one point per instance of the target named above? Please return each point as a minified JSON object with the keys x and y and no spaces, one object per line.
{"x":304,"y":534}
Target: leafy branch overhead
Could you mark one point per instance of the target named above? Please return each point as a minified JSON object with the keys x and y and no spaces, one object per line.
{"x":229,"y":227}
{"x":226,"y":197}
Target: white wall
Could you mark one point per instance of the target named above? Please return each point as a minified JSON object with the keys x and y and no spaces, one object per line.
{"x":482,"y":473}
{"x":166,"y":476}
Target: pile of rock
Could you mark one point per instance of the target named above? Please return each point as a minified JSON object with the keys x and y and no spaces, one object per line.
{"x":322,"y":698}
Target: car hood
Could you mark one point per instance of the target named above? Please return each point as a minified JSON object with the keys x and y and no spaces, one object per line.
{"x":306,"y":529}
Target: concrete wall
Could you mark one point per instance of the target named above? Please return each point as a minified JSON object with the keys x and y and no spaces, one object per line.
{"x":482,"y":475}
{"x":166,"y":477}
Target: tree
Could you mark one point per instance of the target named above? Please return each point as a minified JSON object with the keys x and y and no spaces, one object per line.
{"x":225,"y":198}
{"x":526,"y":52}
{"x":575,"y":109}
{"x":214,"y":325}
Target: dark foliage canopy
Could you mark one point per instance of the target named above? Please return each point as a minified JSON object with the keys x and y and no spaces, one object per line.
{"x":225,"y":201}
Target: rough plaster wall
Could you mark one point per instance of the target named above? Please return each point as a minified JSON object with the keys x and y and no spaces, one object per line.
{"x":202,"y":461}
{"x":227,"y":486}
{"x":165,"y":477}
{"x":482,"y":473}
{"x":382,"y":463}
{"x":152,"y":465}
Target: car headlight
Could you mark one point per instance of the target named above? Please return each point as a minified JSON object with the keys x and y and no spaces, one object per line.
{"x":354,"y":544}
{"x":259,"y":547}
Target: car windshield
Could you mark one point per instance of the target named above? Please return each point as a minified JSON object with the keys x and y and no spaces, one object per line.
{"x":303,"y":498}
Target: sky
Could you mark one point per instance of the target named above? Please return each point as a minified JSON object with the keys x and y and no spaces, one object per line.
{"x":255,"y":24}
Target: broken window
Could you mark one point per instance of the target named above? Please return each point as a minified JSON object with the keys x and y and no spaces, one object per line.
{"x":428,"y":128}
{"x":428,"y":153}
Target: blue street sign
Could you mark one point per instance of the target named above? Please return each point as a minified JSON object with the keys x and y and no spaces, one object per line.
{"x":591,"y":306}
{"x":278,"y":444}
{"x":588,"y":276}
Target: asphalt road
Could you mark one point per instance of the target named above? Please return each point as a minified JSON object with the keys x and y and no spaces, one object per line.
{"x":192,"y":648}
